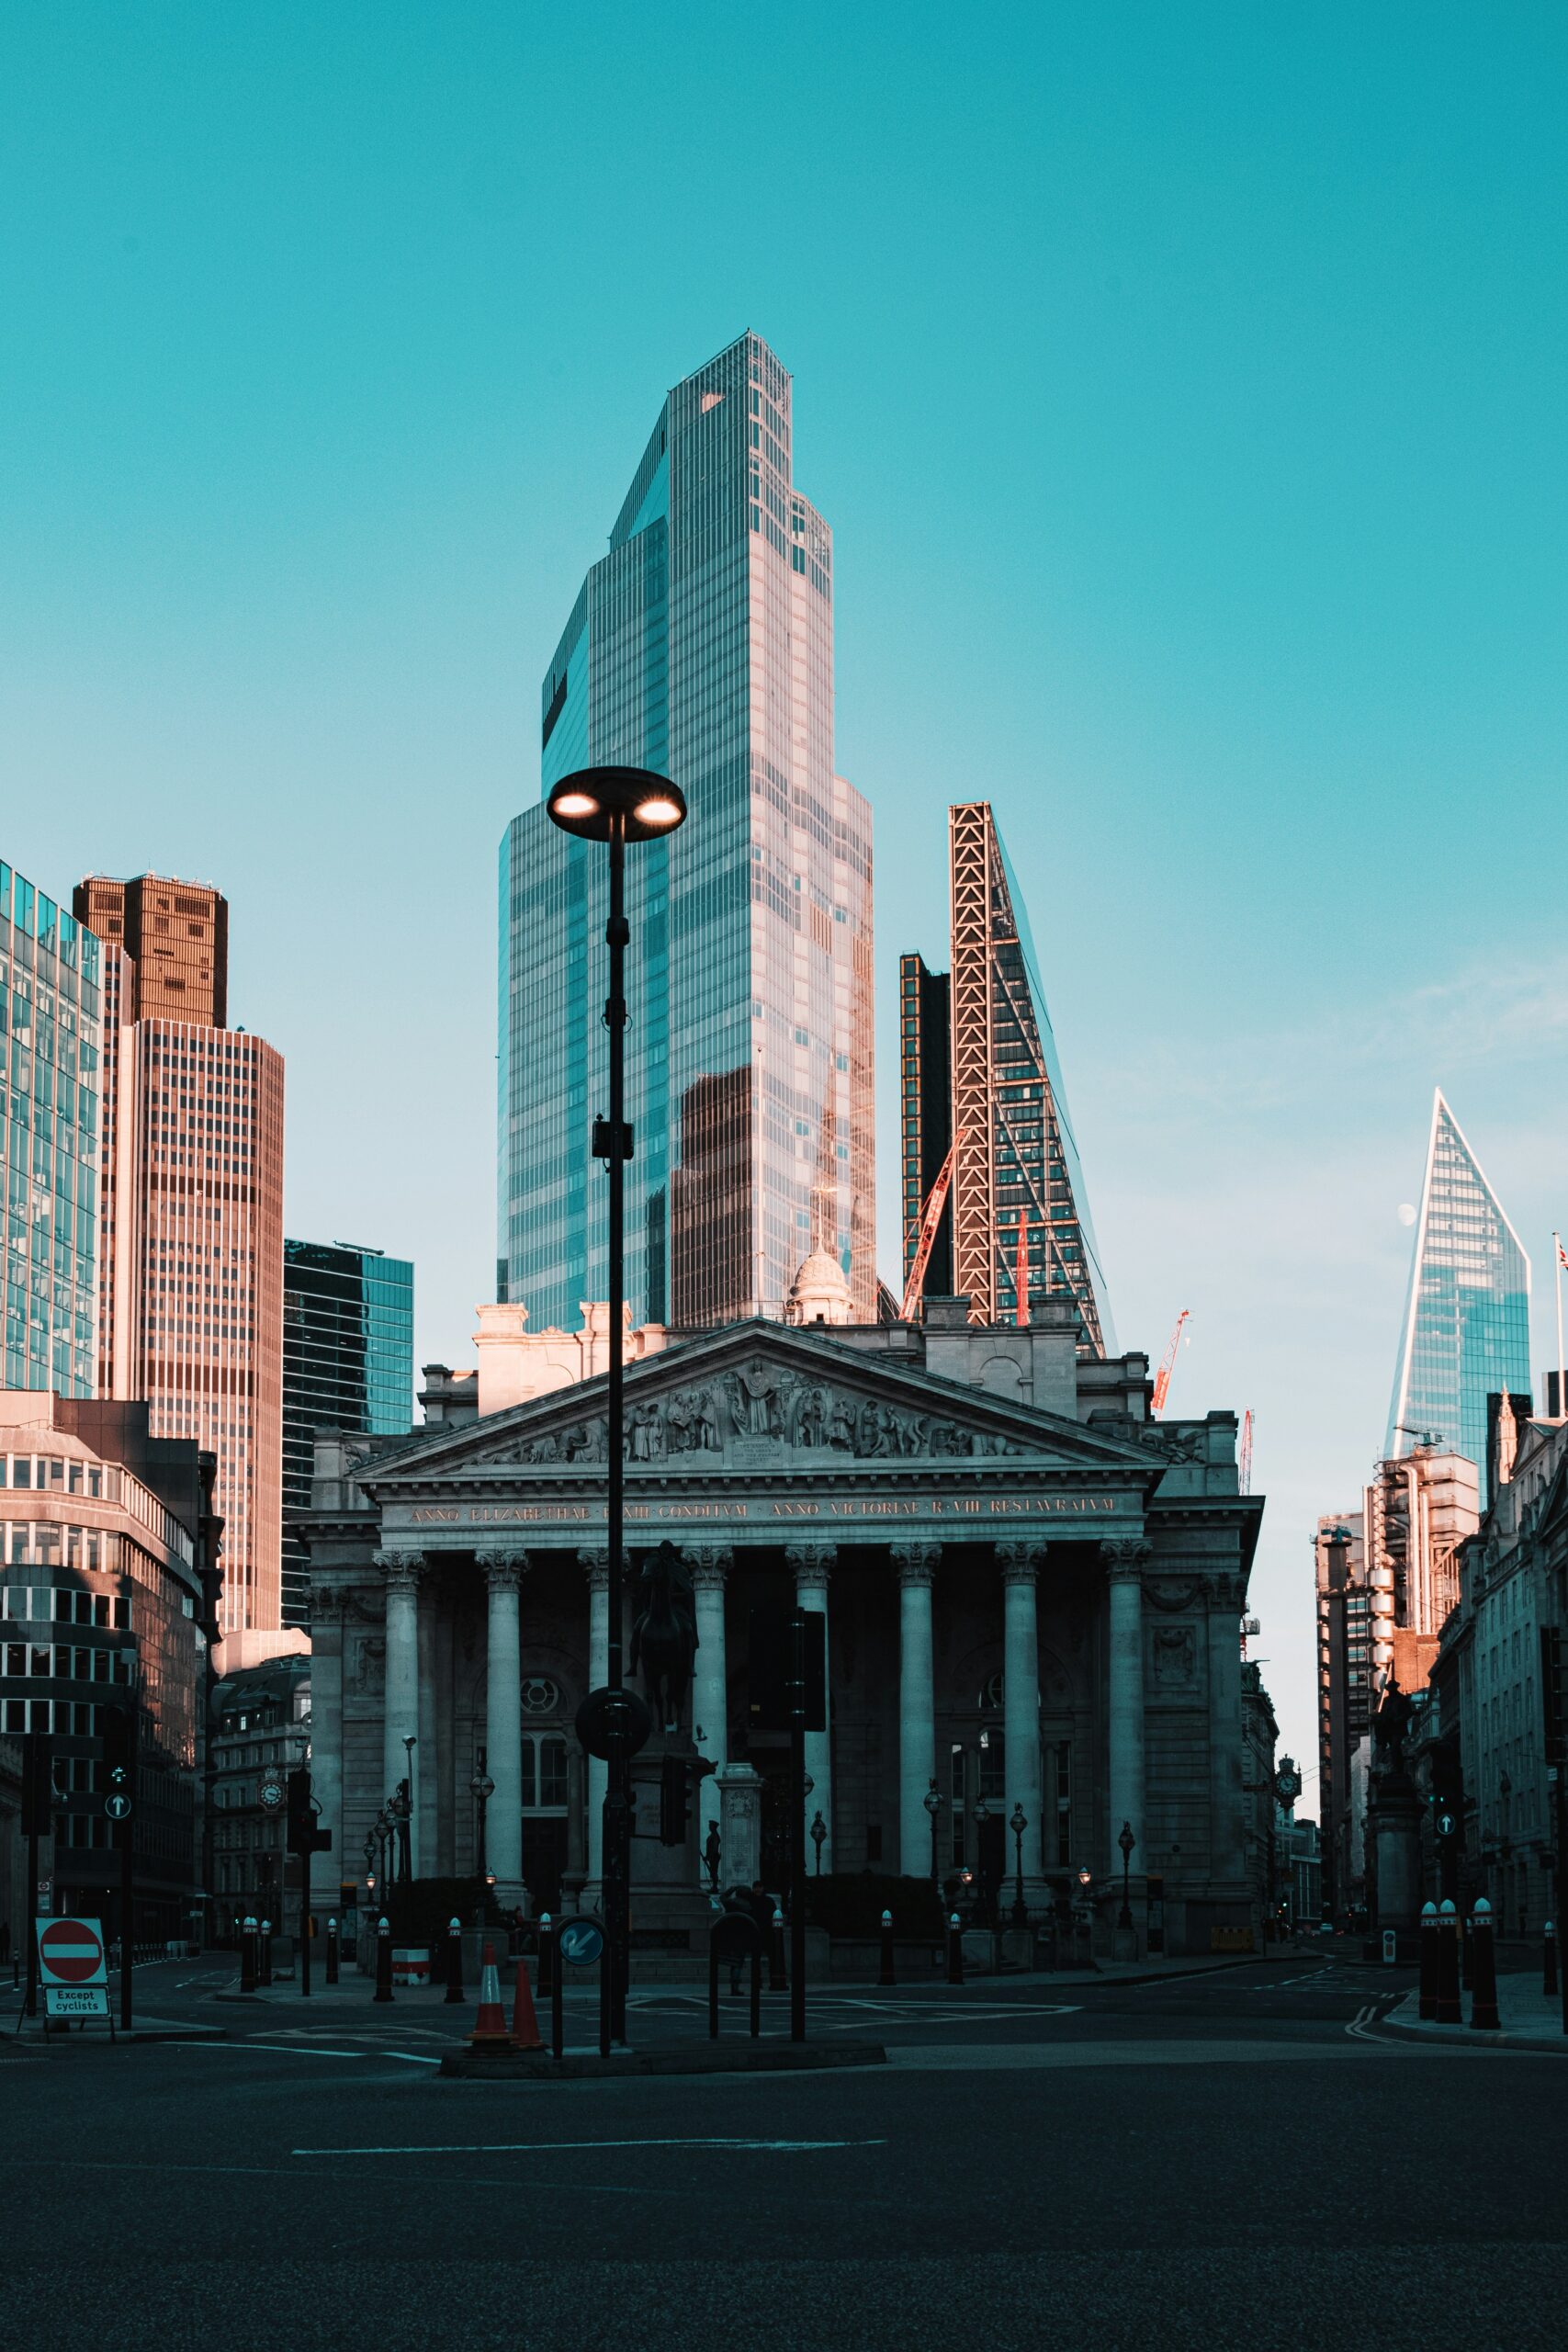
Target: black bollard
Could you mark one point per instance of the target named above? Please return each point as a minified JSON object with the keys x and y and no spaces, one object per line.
{"x":887,"y":1975}
{"x":248,"y":1957}
{"x":547,"y":1957}
{"x":1428,"y":2002}
{"x":1484,"y":2014}
{"x":383,"y":1960}
{"x":954,"y":1951}
{"x":332,"y":1951}
{"x":454,"y":1960}
{"x":264,"y":1971}
{"x":1549,"y":1972}
{"x":1449,"y":2010}
{"x":778,"y":1976}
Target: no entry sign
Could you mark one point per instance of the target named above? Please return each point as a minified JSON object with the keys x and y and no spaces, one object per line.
{"x":71,"y":1952}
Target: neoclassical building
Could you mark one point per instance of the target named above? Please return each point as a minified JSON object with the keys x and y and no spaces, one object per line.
{"x":1032,"y":1593}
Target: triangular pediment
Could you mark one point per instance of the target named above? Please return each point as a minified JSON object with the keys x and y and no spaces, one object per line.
{"x":760,"y":1395}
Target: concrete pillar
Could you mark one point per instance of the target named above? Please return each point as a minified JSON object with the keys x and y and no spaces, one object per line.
{"x":597,"y":1565}
{"x":741,"y":1824}
{"x":709,"y":1564}
{"x":426,"y":1759}
{"x":504,"y":1723}
{"x":1124,"y":1573}
{"x":917,"y":1567}
{"x":1020,"y":1563}
{"x":400,"y":1709}
{"x":813,"y":1567}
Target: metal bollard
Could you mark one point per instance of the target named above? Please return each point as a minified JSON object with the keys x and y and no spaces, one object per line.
{"x":1548,"y":1972}
{"x":264,"y":1971}
{"x":1484,"y":2014}
{"x":248,"y":1957}
{"x":1428,"y":2002}
{"x":778,"y":1975}
{"x":331,"y":1952}
{"x":885,"y":1975}
{"x":383,"y":1960}
{"x":547,"y":1959}
{"x":954,"y":1951}
{"x":454,"y":1962}
{"x":1449,"y":2010}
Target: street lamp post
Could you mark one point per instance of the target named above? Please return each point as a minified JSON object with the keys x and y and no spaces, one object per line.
{"x":1080,"y":1908}
{"x":481,"y":1788}
{"x":933,"y":1807}
{"x":409,"y":1744}
{"x":1018,"y":1825}
{"x":1124,"y":1916}
{"x":818,"y":1838}
{"x":615,"y":805}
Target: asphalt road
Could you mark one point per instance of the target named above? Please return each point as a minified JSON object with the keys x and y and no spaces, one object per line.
{"x":1241,"y":2158}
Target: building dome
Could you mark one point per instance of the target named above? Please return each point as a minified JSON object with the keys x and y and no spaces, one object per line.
{"x":819,"y":1293}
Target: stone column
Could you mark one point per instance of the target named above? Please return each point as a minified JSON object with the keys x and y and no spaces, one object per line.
{"x":328,"y":1609}
{"x":1020,"y":1563}
{"x":741,"y":1824}
{"x":1124,"y":1573}
{"x":709,"y":1564}
{"x":399,"y":1704}
{"x":917,"y":1567}
{"x":504,"y":1723}
{"x":426,"y":1761}
{"x":597,"y":1564}
{"x":1227,"y":1818}
{"x":813,"y":1565}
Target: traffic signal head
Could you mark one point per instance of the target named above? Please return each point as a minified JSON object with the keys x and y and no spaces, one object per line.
{"x":303,"y":1834}
{"x":674,"y":1810}
{"x":117,"y":1728}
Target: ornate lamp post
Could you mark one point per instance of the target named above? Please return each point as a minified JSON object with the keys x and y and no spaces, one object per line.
{"x":819,"y":1835}
{"x":1080,"y":1908}
{"x":979,"y":1813}
{"x":1124,"y":1916}
{"x":481,"y":1788}
{"x":1018,"y":1825}
{"x":933,"y":1802}
{"x":615,"y":805}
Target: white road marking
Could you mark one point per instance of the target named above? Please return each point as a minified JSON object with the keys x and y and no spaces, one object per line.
{"x":556,"y":2147}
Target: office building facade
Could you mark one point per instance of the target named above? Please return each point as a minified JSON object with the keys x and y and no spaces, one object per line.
{"x":51,"y":1079}
{"x":925,"y":1104}
{"x":1466,"y":1333}
{"x":1017,"y":1209}
{"x":348,"y":1364}
{"x":191,"y":1230}
{"x":700,"y":646}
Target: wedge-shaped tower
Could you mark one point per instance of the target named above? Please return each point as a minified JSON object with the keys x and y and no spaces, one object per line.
{"x":1467,"y":1314}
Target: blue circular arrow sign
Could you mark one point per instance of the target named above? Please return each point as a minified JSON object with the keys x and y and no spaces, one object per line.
{"x":581,"y":1942}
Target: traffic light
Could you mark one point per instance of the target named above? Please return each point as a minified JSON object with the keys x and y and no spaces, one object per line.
{"x":674,"y":1807}
{"x":117,"y":1728}
{"x":772,"y":1695}
{"x":38,"y":1785}
{"x":303,"y":1835}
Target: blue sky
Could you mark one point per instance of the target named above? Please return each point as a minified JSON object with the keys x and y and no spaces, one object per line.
{"x":1185,"y":386}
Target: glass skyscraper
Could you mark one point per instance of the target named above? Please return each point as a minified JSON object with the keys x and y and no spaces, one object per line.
{"x":701,"y":646}
{"x":1467,"y":1314}
{"x":51,"y":1078}
{"x":348,"y":1364}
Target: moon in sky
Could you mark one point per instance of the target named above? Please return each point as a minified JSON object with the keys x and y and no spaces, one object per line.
{"x":1406,"y":1213}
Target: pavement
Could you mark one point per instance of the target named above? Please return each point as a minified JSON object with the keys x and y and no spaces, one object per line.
{"x":1210,"y":2157}
{"x":1528,"y":2014}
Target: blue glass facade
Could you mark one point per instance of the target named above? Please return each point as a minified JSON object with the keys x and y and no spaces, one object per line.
{"x":701,"y":646}
{"x":348,"y":1364}
{"x":50,"y":1041}
{"x":1467,"y":1312}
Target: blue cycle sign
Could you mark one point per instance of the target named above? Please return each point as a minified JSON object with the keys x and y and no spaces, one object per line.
{"x":581,"y":1942}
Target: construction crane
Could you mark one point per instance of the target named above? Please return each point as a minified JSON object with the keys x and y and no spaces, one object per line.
{"x":1244,"y":1457}
{"x":1162,"y":1377}
{"x":930,"y":1218}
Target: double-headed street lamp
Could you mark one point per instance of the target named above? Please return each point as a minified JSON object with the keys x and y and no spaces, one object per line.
{"x":1124,"y":1916}
{"x":615,"y":805}
{"x":933,"y":1807}
{"x":481,"y":1788}
{"x":1018,"y":1825}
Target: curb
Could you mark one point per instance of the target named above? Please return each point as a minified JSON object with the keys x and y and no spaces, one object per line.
{"x":1466,"y":2037}
{"x":693,"y":2058}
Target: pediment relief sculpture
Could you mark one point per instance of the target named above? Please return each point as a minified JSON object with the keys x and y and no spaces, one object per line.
{"x":758,"y":1403}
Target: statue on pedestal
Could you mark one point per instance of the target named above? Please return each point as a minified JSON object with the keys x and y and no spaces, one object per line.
{"x":664,"y":1635}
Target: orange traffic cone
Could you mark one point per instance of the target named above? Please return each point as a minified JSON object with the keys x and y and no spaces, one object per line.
{"x":489,"y":2026}
{"x":525,"y":2024}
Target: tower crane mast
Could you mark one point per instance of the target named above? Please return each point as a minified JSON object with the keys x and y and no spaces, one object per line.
{"x":1162,"y":1377}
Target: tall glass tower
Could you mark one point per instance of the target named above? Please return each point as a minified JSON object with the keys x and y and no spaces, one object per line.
{"x":1467,"y":1314}
{"x":50,"y":1085}
{"x":702,"y":646}
{"x":348,"y":1364}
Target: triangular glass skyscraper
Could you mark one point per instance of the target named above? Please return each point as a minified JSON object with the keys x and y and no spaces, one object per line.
{"x":1467,"y":1315}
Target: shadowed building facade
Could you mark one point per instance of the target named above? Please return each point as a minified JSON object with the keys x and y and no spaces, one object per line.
{"x":700,"y":645}
{"x":1033,"y":1596}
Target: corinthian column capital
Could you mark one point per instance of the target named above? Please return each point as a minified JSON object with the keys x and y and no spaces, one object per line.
{"x":708,"y":1566}
{"x":596,"y":1564}
{"x":1020,"y":1558}
{"x":503,"y":1571}
{"x":402,"y":1571}
{"x":916,"y":1563}
{"x":811,"y":1561}
{"x":1126,"y":1556}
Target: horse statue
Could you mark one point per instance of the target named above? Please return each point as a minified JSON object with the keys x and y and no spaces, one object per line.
{"x":664,"y":1635}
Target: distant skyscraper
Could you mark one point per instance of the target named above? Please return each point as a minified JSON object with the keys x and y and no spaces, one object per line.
{"x":702,"y":646}
{"x":50,"y":1082}
{"x":1018,"y":1161}
{"x":1467,"y":1313}
{"x":191,"y":1218}
{"x":348,"y":1364}
{"x":925,"y":1096}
